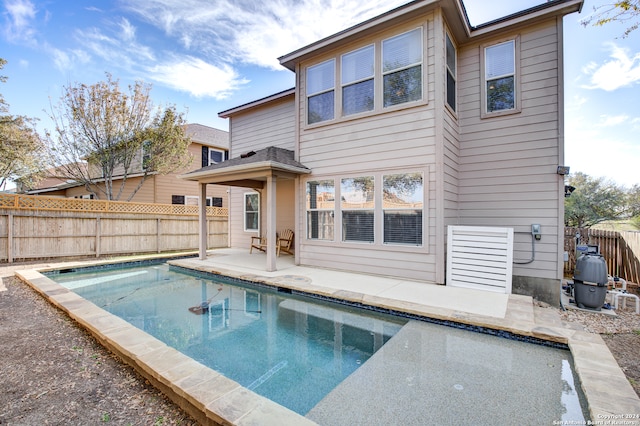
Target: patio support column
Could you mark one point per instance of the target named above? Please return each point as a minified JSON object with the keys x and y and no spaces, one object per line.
{"x":271,"y":223}
{"x":202,"y":221}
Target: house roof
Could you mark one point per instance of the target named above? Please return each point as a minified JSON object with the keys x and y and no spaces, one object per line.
{"x":250,"y":169}
{"x":206,"y":135}
{"x":453,"y":10}
{"x":262,"y":101}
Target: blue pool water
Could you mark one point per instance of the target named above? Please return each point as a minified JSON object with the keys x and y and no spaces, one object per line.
{"x":306,"y":354}
{"x":291,"y":350}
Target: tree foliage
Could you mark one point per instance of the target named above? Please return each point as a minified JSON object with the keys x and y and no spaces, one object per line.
{"x":625,"y":12}
{"x":103,"y":136}
{"x":593,"y":201}
{"x":21,"y":150}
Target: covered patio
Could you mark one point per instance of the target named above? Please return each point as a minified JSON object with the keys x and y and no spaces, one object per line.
{"x":259,"y":170}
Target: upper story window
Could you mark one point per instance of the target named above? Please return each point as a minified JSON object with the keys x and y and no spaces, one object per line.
{"x":368,"y":81}
{"x":357,"y":81}
{"x":320,"y":92}
{"x":500,"y":77}
{"x":402,"y":68}
{"x":451,"y":72}
{"x":213,"y":156}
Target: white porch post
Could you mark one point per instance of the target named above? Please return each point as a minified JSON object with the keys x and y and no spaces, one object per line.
{"x":271,"y":223}
{"x":202,"y":221}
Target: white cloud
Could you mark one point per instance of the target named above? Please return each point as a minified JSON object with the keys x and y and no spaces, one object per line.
{"x":253,"y":32}
{"x":613,"y":120}
{"x":19,"y":17}
{"x":622,"y":69}
{"x":194,"y":76}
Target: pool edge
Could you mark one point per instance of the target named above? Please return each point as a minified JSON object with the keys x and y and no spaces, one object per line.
{"x":222,"y":402}
{"x":607,"y":390}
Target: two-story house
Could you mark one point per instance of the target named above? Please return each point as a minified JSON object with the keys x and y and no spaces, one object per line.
{"x":208,"y":146}
{"x":399,"y":127}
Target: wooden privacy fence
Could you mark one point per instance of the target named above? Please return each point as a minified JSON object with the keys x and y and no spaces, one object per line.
{"x":621,"y":250}
{"x":35,"y":227}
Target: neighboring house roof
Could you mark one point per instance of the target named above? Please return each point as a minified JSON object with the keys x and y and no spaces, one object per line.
{"x":250,"y":168}
{"x":206,"y":135}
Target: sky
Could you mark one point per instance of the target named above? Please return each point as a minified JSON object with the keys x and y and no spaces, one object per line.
{"x":207,"y":56}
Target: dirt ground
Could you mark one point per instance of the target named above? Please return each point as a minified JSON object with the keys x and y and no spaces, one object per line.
{"x":55,"y":373}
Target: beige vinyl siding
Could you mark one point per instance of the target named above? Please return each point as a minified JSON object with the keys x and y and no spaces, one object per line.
{"x":393,"y":141}
{"x":272,"y":124}
{"x":164,"y":186}
{"x":508,"y":163}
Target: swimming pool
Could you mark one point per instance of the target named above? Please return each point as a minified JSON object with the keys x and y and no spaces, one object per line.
{"x":291,"y":350}
{"x":455,"y":367}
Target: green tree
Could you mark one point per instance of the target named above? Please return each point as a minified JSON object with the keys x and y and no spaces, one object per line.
{"x":103,"y":136}
{"x":593,"y":201}
{"x":21,"y":149}
{"x":625,"y":12}
{"x":633,"y":203}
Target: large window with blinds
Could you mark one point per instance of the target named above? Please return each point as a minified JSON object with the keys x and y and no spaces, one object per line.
{"x":382,"y":208}
{"x":402,"y":205}
{"x":357,"y":81}
{"x":402,"y":68}
{"x":358,"y":209}
{"x":370,"y":79}
{"x":321,"y":204}
{"x":500,"y":77}
{"x":320,"y":92}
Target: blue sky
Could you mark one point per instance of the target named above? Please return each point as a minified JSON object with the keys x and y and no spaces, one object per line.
{"x":206,"y":56}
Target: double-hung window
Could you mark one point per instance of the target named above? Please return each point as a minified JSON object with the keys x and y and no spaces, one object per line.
{"x":252,"y":212}
{"x":358,"y":209}
{"x":357,"y":81}
{"x":451,"y":73}
{"x":500,"y":77}
{"x":402,"y":68}
{"x":402,"y":205}
{"x":321,"y":202}
{"x":320,"y":92}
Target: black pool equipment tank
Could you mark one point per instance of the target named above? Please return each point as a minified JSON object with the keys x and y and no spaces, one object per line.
{"x":590,"y":281}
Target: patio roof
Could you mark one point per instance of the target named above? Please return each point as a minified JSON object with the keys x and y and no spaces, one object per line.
{"x":250,"y":170}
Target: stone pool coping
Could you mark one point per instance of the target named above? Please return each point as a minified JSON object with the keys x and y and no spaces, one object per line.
{"x":214,"y":399}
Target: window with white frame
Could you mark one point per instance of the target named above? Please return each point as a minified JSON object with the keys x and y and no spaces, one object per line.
{"x":357,"y":81}
{"x":402,"y":206}
{"x":215,"y":156}
{"x":320,"y":92}
{"x":321,"y":204}
{"x":500,"y":77}
{"x":369,"y":82}
{"x":451,"y":73}
{"x":358,"y":209}
{"x":402,"y":68}
{"x":252,"y":212}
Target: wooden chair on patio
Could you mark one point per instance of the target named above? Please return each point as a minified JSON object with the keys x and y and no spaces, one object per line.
{"x":259,"y":243}
{"x":285,"y":242}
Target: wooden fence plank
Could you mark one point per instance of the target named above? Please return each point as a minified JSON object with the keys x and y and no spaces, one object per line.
{"x":47,"y":227}
{"x":619,"y":255}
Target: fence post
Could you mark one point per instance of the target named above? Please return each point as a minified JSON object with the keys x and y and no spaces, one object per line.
{"x":98,"y":236}
{"x":158,"y":234}
{"x":10,"y":237}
